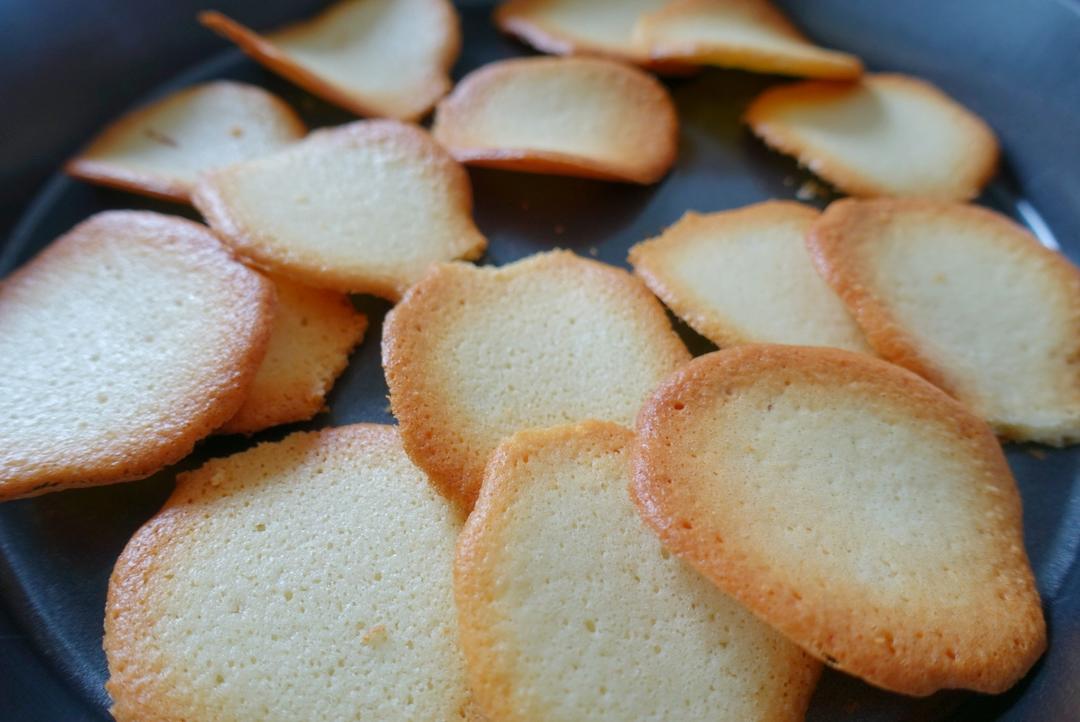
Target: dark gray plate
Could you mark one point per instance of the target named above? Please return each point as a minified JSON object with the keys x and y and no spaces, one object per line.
{"x":1015,"y":63}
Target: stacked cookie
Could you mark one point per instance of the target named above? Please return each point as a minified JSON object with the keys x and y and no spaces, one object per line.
{"x":573,"y":519}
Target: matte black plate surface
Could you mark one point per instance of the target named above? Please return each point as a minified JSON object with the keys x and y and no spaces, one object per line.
{"x":1016,"y":63}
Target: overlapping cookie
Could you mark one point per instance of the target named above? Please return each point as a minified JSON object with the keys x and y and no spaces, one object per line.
{"x":746,"y":34}
{"x":744,"y":276}
{"x":313,"y":333}
{"x":571,"y":609}
{"x":858,"y":509}
{"x":161,"y":149}
{"x":473,"y":355}
{"x":360,"y":208}
{"x":127,"y":340}
{"x":304,"y":579}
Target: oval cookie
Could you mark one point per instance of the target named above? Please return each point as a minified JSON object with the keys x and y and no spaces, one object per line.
{"x":565,"y":116}
{"x":850,"y":504}
{"x":127,"y":340}
{"x":967,"y":299}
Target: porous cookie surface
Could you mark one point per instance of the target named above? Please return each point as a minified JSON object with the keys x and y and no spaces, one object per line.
{"x":314,"y":331}
{"x":570,"y":27}
{"x":124,"y":342}
{"x":744,"y":276}
{"x":886,"y":135}
{"x":360,"y":208}
{"x":163,"y":148}
{"x":388,"y":58}
{"x":748,"y":34}
{"x":967,"y":299}
{"x":850,"y":504}
{"x":305,"y":579}
{"x":571,"y":609}
{"x":568,"y":116}
{"x":474,"y":354}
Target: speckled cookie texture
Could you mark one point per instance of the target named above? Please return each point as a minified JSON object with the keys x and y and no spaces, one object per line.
{"x":364,"y":207}
{"x":885,"y":135}
{"x":473,"y":354}
{"x":571,"y":609}
{"x":858,"y":509}
{"x":967,"y":299}
{"x":127,"y":340}
{"x":309,"y":578}
{"x":744,"y":276}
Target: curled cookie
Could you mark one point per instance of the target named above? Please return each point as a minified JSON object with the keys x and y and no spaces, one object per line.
{"x":572,"y":27}
{"x":565,"y":116}
{"x":747,"y":34}
{"x":473,"y":355}
{"x":886,"y":135}
{"x":127,"y":340}
{"x":570,"y":609}
{"x":161,"y":149}
{"x":305,"y":579}
{"x":360,"y":208}
{"x":744,"y":276}
{"x":388,"y":58}
{"x":313,"y":334}
{"x":847,"y":502}
{"x":969,"y":300}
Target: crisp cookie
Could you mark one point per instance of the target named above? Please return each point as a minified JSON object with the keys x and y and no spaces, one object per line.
{"x":161,"y":149}
{"x":313,"y":334}
{"x":474,"y":354}
{"x":385,"y":58}
{"x":969,"y":300}
{"x":747,"y":34}
{"x":602,"y":28}
{"x":565,"y":116}
{"x":744,"y":276}
{"x":127,"y":340}
{"x":886,"y":135}
{"x":570,"y":608}
{"x":847,"y":502}
{"x":361,"y":208}
{"x":305,"y":579}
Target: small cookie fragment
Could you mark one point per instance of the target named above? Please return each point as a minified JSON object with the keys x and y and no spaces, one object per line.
{"x":313,"y":334}
{"x":744,"y":276}
{"x":308,"y":579}
{"x":473,"y":355}
{"x":385,"y":58}
{"x":967,"y":299}
{"x":573,"y":27}
{"x":127,"y":340}
{"x":847,"y":502}
{"x":565,"y":116}
{"x":570,"y":609}
{"x":161,"y":149}
{"x":886,"y":135}
{"x":361,"y":208}
{"x":747,"y":34}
